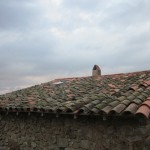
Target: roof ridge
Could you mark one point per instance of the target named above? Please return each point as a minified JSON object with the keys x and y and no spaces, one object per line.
{"x":134,"y":72}
{"x":69,"y":78}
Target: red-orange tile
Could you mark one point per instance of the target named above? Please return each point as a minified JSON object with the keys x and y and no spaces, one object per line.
{"x":147,"y":103}
{"x":147,"y":82}
{"x":148,"y":98}
{"x":144,"y":110}
{"x":135,"y":87}
{"x":112,"y":86}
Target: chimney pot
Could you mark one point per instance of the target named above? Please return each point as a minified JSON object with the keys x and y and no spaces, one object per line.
{"x":96,"y":71}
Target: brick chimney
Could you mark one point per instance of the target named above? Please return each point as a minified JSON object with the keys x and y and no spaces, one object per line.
{"x":96,"y":71}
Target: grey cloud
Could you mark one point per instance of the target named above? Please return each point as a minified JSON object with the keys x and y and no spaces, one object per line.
{"x":114,"y":35}
{"x":26,"y":57}
{"x":84,"y":5}
{"x":125,"y":14}
{"x":19,"y":14}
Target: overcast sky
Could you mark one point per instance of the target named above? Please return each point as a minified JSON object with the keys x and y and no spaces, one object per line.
{"x":45,"y":39}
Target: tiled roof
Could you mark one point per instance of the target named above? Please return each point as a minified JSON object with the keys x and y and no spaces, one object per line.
{"x":107,"y":95}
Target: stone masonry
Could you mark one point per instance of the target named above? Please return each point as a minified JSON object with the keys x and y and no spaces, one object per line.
{"x":34,"y":132}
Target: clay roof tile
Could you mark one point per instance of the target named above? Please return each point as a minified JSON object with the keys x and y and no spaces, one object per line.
{"x":102,"y":95}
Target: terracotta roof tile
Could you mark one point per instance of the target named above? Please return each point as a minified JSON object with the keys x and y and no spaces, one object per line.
{"x":107,"y":109}
{"x":117,"y":94}
{"x":118,"y":109}
{"x":144,"y":111}
{"x":148,"y":98}
{"x":126,"y":102}
{"x":147,"y":82}
{"x":147,"y":102}
{"x":131,"y":109}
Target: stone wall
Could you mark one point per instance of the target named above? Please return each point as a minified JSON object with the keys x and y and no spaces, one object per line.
{"x":33,"y":132}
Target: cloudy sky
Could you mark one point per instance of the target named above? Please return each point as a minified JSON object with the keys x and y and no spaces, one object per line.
{"x":45,"y":39}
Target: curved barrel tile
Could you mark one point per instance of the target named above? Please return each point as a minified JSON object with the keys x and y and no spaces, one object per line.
{"x":131,"y":109}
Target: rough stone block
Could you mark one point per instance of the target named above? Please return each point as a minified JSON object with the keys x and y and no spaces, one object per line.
{"x":74,"y":144}
{"x":70,"y":149}
{"x":33,"y":144}
{"x":62,"y":142}
{"x":85,"y":144}
{"x":134,"y":138}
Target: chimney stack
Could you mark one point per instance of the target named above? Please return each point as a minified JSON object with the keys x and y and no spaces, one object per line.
{"x":96,"y":71}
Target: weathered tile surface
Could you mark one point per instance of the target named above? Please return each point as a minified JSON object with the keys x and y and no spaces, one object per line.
{"x":118,"y":94}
